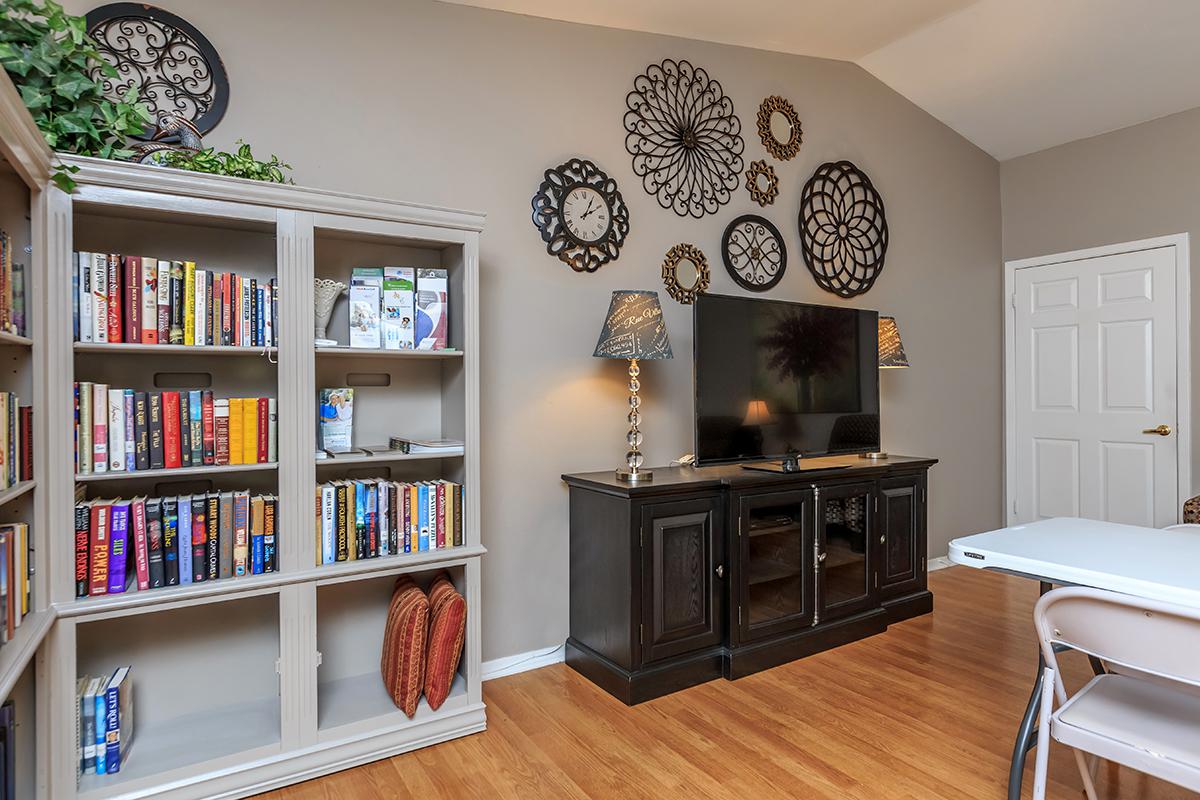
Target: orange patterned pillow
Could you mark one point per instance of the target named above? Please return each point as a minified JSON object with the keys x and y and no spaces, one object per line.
{"x":446,"y":633}
{"x":403,"y":661}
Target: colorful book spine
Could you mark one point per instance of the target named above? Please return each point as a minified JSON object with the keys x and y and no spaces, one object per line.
{"x":130,"y":430}
{"x":241,"y":534}
{"x":82,"y":548}
{"x":118,"y":548}
{"x":99,"y":427}
{"x":185,"y":538}
{"x":98,"y":561}
{"x":257,"y":522}
{"x":149,"y":296}
{"x":199,"y":540}
{"x":141,"y":545}
{"x":170,"y":540}
{"x":154,"y":543}
{"x":116,"y":430}
{"x":270,"y":545}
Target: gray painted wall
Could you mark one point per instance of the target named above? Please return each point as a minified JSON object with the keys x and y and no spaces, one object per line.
{"x":1130,"y":184}
{"x":461,"y":107}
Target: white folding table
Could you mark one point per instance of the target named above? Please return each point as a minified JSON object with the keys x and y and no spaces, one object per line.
{"x":1143,"y":562}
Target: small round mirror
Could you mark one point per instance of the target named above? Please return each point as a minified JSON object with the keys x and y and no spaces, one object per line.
{"x":779,"y":128}
{"x":685,"y":272}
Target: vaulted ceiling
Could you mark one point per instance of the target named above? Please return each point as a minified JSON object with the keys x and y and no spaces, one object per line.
{"x":1012,"y":76}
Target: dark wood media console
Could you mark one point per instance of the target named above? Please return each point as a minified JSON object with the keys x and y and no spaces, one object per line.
{"x":724,"y":571}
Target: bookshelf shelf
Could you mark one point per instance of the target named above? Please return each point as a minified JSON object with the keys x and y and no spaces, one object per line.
{"x":16,"y":654}
{"x":172,"y":349}
{"x":177,"y":472}
{"x":349,"y":703}
{"x":152,"y":600}
{"x":362,"y":352}
{"x":409,"y":562}
{"x":13,"y":492}
{"x":189,"y":744}
{"x":13,"y":339}
{"x":385,"y":458}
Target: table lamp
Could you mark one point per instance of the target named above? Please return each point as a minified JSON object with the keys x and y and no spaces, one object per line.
{"x":891,"y":356}
{"x":634,"y":329}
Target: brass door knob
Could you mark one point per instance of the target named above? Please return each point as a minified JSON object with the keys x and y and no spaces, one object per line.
{"x":1161,"y":430}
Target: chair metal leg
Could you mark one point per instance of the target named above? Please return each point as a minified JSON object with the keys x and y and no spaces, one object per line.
{"x":1089,"y":788}
{"x":1026,"y":733}
{"x":1042,"y":761}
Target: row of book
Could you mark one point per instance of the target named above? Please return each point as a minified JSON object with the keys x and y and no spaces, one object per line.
{"x":16,"y":440}
{"x":359,"y":519}
{"x":123,"y":430}
{"x":174,"y":541}
{"x":104,"y":723}
{"x":399,"y":308}
{"x":148,"y":300}
{"x":12,"y":288}
{"x":16,"y":567}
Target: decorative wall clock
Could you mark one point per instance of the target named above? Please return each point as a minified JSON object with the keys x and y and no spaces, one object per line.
{"x":685,"y":140}
{"x":779,"y":128}
{"x":762,"y":183}
{"x":581,"y":215}
{"x":754,"y":252}
{"x":173,"y":67}
{"x":843,"y":230}
{"x":685,"y":272}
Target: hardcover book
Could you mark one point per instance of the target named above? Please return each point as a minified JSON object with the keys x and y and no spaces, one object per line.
{"x":189,"y":302}
{"x":133,"y":301}
{"x":212,"y":516}
{"x":141,"y":430}
{"x":156,"y":431}
{"x":184,"y":510}
{"x":130,"y":431}
{"x":226,"y":535}
{"x":99,"y":551}
{"x":83,"y":532}
{"x":249,"y":430}
{"x":83,"y":442}
{"x":237,"y":423}
{"x":175,"y":334}
{"x":196,"y":426}
{"x":199,"y":538}
{"x":261,"y":427}
{"x":432,"y":309}
{"x":87,"y":332}
{"x":257,"y":524}
{"x":163,"y":313}
{"x":116,"y":428}
{"x":171,"y":436}
{"x":220,"y":410}
{"x":100,"y":297}
{"x":170,"y":540}
{"x":149,"y":294}
{"x":118,"y":547}
{"x":154,"y":542}
{"x":141,"y":545}
{"x":208,"y":428}
{"x":99,"y":428}
{"x":185,"y":429}
{"x":118,"y":717}
{"x":366,"y":289}
{"x":241,"y":533}
{"x":270,"y":546}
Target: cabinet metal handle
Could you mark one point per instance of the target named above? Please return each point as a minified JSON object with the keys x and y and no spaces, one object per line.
{"x":883,"y":539}
{"x":820,"y":558}
{"x":1161,"y":430}
{"x":720,"y":570}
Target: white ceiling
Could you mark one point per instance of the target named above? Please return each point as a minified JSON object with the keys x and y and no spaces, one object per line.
{"x":1012,"y":76}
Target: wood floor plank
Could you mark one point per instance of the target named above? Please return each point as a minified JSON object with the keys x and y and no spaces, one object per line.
{"x":926,"y":711}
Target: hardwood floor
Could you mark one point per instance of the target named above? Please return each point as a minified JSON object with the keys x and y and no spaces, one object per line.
{"x":926,"y":711}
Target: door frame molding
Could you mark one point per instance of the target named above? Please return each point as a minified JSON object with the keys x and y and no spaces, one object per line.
{"x":1183,"y":385}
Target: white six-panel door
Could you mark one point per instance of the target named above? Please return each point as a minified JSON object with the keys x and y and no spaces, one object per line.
{"x":1094,"y":374}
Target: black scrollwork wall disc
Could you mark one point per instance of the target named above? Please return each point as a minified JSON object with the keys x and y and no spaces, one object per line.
{"x":173,"y":67}
{"x":685,"y":140}
{"x":754,"y":252}
{"x":843,"y":229}
{"x":581,"y":215}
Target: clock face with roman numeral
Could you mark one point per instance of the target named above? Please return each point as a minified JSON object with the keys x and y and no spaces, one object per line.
{"x":581,"y":215}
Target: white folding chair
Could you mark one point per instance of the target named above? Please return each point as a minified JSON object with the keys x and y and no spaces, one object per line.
{"x":1145,"y":712}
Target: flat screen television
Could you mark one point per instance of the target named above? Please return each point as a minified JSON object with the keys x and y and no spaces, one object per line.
{"x":776,"y":380}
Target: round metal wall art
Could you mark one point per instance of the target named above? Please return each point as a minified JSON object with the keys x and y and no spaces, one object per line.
{"x":678,"y":286}
{"x":684,"y":137}
{"x":570,"y":238}
{"x":843,"y":229}
{"x":762,"y":182}
{"x":782,"y":150}
{"x":754,"y":252}
{"x":172,"y":66}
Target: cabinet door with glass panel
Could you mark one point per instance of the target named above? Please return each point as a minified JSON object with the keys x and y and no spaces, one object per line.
{"x":846,"y":568}
{"x":775,"y":548}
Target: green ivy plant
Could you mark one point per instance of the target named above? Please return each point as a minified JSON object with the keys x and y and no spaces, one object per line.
{"x":241,"y":164}
{"x":51,"y":60}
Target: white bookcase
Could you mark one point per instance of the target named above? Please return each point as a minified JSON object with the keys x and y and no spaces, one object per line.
{"x":246,"y":684}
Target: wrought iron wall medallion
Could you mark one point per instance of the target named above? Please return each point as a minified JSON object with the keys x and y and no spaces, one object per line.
{"x":174,"y":68}
{"x":779,"y":128}
{"x":685,"y":140}
{"x":685,"y":272}
{"x":581,"y":215}
{"x":843,"y":229}
{"x":762,"y":183}
{"x":754,"y":252}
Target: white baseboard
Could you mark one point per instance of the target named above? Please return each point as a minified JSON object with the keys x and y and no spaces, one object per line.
{"x":522,"y":662}
{"x":941,"y":562}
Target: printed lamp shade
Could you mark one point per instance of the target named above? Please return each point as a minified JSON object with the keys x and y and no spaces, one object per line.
{"x":891,"y":349}
{"x":757,"y":413}
{"x":634,"y":328}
